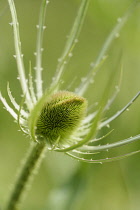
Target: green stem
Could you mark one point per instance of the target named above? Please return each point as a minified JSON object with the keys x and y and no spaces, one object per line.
{"x":29,"y":168}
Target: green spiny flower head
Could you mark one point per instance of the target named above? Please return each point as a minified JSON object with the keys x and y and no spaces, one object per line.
{"x":60,"y":116}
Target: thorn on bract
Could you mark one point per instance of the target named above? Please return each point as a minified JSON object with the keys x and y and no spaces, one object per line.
{"x":108,"y":126}
{"x":119,"y":19}
{"x":117,"y":35}
{"x":70,"y":54}
{"x":117,"y":88}
{"x":92,"y":64}
{"x":83,"y":79}
{"x":91,"y":81}
{"x":104,"y":57}
{"x":76,"y":40}
{"x":44,"y":27}
{"x":11,"y":24}
{"x":59,"y":59}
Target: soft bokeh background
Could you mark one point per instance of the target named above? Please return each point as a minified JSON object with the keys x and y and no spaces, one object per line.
{"x":64,"y":183}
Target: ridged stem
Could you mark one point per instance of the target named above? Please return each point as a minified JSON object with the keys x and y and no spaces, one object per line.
{"x":27,"y":172}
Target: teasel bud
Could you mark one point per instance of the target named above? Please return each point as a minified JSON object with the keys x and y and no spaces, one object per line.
{"x":61,"y":114}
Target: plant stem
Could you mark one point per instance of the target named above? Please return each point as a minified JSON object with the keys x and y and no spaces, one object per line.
{"x":29,"y":168}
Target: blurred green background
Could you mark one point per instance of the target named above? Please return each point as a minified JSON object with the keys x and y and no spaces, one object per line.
{"x":63,"y":183}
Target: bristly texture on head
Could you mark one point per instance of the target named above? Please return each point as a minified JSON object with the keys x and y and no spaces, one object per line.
{"x":60,"y":116}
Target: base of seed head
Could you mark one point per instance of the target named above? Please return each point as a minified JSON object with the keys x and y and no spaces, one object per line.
{"x":60,"y":117}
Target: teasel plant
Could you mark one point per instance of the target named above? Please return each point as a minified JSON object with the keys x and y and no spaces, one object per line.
{"x":56,"y":119}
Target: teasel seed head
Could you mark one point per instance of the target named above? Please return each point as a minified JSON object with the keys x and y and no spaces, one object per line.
{"x":60,"y":116}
